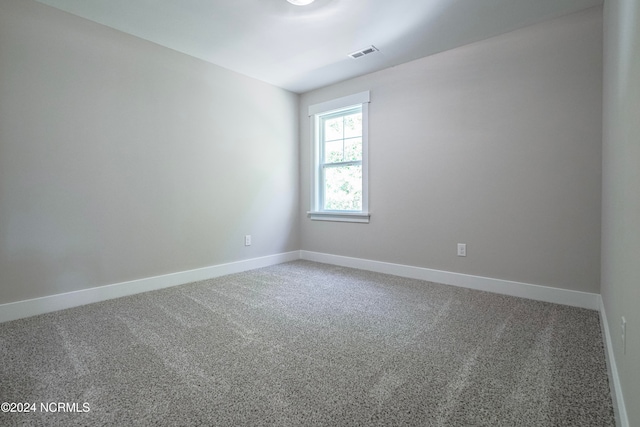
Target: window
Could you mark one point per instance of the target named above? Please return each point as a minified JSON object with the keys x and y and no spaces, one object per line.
{"x":339,"y":181}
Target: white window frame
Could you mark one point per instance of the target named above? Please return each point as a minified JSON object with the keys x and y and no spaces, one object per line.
{"x":315,"y":112}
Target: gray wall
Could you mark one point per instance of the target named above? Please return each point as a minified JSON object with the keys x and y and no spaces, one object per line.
{"x":621,"y":191}
{"x":496,"y":144}
{"x":121,"y":159}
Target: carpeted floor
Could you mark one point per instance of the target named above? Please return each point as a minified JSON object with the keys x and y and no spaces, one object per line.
{"x":304,"y":344}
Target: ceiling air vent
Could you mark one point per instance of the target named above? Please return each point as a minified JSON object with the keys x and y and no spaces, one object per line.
{"x":363,"y":52}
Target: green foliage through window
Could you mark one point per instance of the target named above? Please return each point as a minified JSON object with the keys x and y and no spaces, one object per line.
{"x":341,"y":160}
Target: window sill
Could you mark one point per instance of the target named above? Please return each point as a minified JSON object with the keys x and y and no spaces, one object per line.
{"x":362,"y":217}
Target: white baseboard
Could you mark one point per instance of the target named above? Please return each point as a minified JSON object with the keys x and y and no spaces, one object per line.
{"x":32,"y":307}
{"x":616,"y":388}
{"x":517,"y":289}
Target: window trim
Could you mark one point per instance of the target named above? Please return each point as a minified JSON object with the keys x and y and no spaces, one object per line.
{"x":362,"y":100}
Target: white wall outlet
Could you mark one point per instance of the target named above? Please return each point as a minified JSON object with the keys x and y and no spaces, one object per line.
{"x":462,"y":249}
{"x":247,"y":240}
{"x":623,"y":330}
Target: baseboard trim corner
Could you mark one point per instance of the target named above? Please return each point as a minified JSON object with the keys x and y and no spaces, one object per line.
{"x":619,"y":407}
{"x":499,"y":286}
{"x":32,"y":307}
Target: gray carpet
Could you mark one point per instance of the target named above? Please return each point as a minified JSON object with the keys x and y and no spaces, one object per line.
{"x":303,"y":344}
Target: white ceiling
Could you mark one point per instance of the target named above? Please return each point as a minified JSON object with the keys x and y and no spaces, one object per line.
{"x":301,"y":48}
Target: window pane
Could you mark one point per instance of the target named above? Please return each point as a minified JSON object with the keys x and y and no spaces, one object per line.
{"x":353,"y":149}
{"x":353,"y":125}
{"x":333,"y":129}
{"x":343,"y":188}
{"x":333,"y":151}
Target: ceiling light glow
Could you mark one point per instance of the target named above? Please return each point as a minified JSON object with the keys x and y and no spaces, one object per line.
{"x":301,"y":2}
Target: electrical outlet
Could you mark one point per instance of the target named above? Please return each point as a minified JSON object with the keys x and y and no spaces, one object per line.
{"x":247,"y":240}
{"x":462,"y":249}
{"x":623,"y":327}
